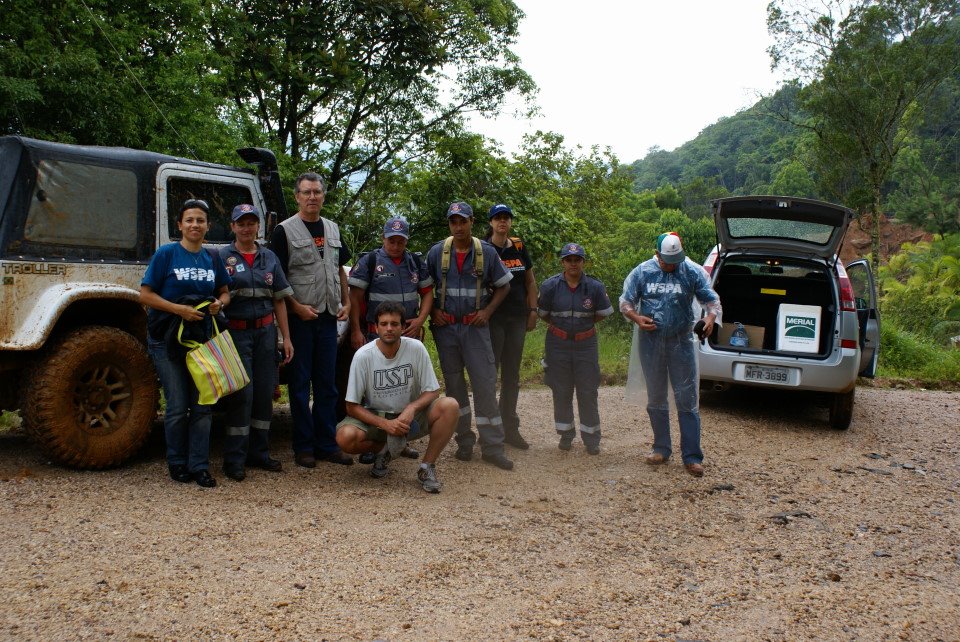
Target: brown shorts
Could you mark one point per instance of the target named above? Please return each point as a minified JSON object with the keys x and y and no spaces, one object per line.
{"x":377,"y":434}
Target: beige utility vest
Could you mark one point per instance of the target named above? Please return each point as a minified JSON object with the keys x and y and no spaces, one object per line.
{"x":315,"y":279}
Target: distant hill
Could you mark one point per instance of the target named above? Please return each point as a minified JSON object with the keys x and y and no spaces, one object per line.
{"x":753,"y":152}
{"x":741,"y":153}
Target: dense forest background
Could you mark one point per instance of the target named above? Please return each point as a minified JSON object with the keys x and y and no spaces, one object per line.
{"x":376,"y":94}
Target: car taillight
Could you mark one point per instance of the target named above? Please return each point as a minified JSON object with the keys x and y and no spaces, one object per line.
{"x":711,"y":261}
{"x":848,"y":343}
{"x":847,"y":304}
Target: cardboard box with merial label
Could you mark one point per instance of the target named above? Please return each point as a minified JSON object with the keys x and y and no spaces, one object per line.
{"x":798,"y":328}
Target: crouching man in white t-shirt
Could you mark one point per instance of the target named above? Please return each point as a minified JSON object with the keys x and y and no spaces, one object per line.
{"x":393,"y":396}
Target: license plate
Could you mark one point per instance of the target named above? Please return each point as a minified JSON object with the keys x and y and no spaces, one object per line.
{"x":766,"y":374}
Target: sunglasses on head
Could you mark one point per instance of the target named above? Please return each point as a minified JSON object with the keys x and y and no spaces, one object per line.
{"x":192,"y":203}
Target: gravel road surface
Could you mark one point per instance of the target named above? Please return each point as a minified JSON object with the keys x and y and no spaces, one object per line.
{"x":797,"y":532}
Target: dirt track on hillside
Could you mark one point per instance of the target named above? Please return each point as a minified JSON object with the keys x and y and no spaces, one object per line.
{"x":796,"y":532}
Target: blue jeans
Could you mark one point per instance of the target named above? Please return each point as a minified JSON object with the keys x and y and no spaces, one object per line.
{"x":673,"y":358}
{"x":313,"y":368}
{"x":250,"y":409}
{"x":186,"y":424}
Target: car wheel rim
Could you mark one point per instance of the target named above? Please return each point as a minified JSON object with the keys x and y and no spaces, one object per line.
{"x":98,"y":396}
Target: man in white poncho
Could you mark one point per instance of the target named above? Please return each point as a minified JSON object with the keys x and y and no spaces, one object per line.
{"x":658,"y":296}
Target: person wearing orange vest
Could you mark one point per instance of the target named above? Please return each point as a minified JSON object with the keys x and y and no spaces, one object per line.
{"x":516,"y":316}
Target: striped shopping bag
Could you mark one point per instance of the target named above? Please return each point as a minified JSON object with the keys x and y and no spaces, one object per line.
{"x":215,"y":366}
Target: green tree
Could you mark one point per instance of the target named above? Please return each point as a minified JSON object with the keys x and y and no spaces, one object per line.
{"x":696,"y":195}
{"x":464,"y":167}
{"x":873,"y":70}
{"x":667,"y":197}
{"x":112,"y":73}
{"x":359,"y":87}
{"x":923,"y":198}
{"x":927,"y":171}
{"x":793,"y":179}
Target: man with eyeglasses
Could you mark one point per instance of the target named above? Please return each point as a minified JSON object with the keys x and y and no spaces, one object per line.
{"x":312,"y":255}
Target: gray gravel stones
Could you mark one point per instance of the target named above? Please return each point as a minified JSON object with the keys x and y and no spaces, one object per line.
{"x":566,"y":547}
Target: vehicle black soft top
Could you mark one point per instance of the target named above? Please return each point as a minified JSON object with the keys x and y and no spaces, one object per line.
{"x":129,"y":157}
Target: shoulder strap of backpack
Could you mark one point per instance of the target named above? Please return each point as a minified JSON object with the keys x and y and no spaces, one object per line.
{"x":444,"y":268}
{"x":517,"y":242}
{"x":478,"y":268}
{"x":417,"y":260}
{"x":371,"y":265}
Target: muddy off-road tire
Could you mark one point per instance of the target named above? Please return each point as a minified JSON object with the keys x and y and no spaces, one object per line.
{"x":90,"y":402}
{"x":841,"y":410}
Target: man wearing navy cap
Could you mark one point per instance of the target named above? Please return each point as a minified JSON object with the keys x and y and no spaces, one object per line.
{"x":389,"y":273}
{"x":465,"y":270}
{"x":658,"y":296}
{"x":516,"y":316}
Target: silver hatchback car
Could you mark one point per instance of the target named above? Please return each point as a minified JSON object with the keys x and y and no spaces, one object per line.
{"x":794,"y":317}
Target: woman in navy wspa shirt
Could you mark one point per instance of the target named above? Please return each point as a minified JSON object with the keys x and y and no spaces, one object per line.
{"x":177,"y":270}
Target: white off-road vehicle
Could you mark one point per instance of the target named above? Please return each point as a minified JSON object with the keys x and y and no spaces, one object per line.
{"x":78,"y":226}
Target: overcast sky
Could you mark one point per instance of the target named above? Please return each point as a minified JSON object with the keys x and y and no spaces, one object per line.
{"x":631,"y":74}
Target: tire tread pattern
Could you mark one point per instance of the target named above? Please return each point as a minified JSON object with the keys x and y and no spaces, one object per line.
{"x":48,"y":408}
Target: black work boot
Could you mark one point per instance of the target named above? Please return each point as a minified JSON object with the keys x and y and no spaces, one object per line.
{"x":514,"y":438}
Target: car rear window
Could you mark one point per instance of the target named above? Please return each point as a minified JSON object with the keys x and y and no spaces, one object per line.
{"x":746,"y":227}
{"x":768,"y":266}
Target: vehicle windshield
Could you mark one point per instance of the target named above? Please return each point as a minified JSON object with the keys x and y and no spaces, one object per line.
{"x":747,"y":227}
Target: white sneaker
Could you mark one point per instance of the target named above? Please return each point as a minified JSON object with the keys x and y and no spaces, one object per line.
{"x":428,"y":478}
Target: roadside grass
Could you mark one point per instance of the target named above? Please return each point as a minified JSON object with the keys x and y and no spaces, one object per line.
{"x":905,"y":355}
{"x":614,"y":355}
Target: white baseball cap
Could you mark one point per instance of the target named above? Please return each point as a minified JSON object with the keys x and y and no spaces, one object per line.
{"x":670,"y":249}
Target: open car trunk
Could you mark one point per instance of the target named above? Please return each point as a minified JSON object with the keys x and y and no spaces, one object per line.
{"x":753,"y":289}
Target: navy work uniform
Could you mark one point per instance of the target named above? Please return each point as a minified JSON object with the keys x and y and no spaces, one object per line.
{"x":571,"y":352}
{"x":385,"y":280}
{"x":460,"y":344}
{"x":256,"y":286}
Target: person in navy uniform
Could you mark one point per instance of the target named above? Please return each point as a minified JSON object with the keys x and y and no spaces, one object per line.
{"x":312,"y":255}
{"x":658,"y":296}
{"x":470,"y":283}
{"x":572,"y":303}
{"x":389,"y":273}
{"x":516,"y":316}
{"x":256,"y":310}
